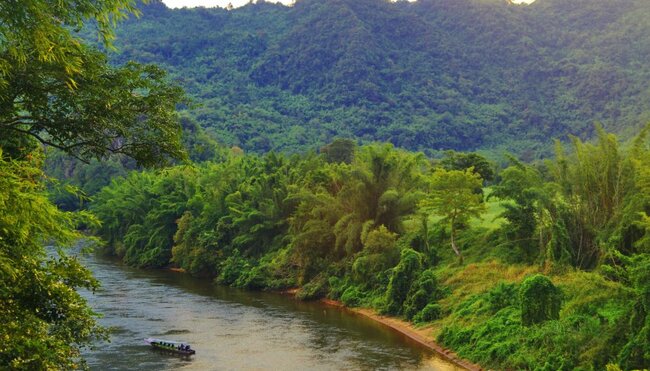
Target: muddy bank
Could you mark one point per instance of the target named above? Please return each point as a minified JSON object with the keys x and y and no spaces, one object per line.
{"x":421,"y":336}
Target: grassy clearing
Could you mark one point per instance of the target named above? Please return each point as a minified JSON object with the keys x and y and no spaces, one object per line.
{"x":482,"y":318}
{"x":491,"y":219}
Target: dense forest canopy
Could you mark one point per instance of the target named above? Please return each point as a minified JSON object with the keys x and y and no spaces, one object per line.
{"x":532,"y":265}
{"x":547,"y":268}
{"x":426,"y":75}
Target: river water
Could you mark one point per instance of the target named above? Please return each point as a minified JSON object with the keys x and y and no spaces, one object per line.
{"x":233,"y":329}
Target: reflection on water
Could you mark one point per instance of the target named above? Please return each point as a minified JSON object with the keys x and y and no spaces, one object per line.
{"x":232,"y":329}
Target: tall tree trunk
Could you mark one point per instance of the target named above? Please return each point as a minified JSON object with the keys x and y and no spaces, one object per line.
{"x":425,"y":233}
{"x":453,"y":243}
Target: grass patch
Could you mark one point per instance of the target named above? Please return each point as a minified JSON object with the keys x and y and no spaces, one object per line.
{"x":481,"y":318}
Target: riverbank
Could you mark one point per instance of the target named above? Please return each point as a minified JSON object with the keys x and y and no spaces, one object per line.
{"x":235,"y":329}
{"x":419,"y":335}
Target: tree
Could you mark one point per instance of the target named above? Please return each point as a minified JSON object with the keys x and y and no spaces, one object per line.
{"x":128,"y":110}
{"x":401,"y":280}
{"x":453,"y":198}
{"x":595,"y":181}
{"x":44,"y":320}
{"x":524,"y":186}
{"x":39,"y":30}
{"x":56,"y":90}
{"x":462,"y":161}
{"x":379,"y":188}
{"x":340,"y":150}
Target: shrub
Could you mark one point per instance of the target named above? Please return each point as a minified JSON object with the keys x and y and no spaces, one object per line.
{"x":501,"y":296}
{"x":540,"y":300}
{"x":232,"y":268}
{"x":423,"y":291}
{"x":314,"y":289}
{"x":490,"y":342}
{"x":366,"y":267}
{"x":255,"y":278}
{"x":400,"y":282}
{"x":351,"y":296}
{"x":337,"y":286}
{"x":636,"y":353}
{"x":431,"y":312}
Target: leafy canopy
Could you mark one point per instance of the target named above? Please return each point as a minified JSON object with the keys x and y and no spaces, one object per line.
{"x":39,"y":30}
{"x":63,"y":93}
{"x":45,"y":320}
{"x":453,"y":196}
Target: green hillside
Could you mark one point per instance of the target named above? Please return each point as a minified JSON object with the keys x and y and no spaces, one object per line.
{"x":426,"y":75}
{"x":524,"y":265}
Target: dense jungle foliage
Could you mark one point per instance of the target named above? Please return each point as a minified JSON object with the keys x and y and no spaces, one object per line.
{"x":428,"y":75}
{"x":536,"y":265}
{"x":544,"y":267}
{"x":59,"y":92}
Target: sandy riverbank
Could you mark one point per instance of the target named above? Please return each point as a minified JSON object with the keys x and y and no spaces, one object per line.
{"x":419,"y":335}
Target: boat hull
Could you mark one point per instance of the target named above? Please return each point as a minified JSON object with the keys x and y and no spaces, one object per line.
{"x":169,"y":346}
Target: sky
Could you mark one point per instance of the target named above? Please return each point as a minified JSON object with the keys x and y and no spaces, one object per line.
{"x":236,"y":3}
{"x":209,"y":3}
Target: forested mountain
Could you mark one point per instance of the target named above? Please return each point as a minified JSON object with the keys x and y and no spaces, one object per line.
{"x":425,"y":75}
{"x":535,"y":265}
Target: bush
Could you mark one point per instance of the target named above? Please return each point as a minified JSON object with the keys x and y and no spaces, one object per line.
{"x":501,"y":296}
{"x":636,"y":353}
{"x":314,"y":289}
{"x":337,"y":286}
{"x":277,"y":270}
{"x":490,"y":342}
{"x":365,"y":269}
{"x":431,"y":312}
{"x":378,"y":256}
{"x":255,"y":278}
{"x":486,"y":327}
{"x":423,"y":291}
{"x":540,"y":300}
{"x":232,"y":268}
{"x":380,"y":241}
{"x":400,"y":282}
{"x":351,"y":296}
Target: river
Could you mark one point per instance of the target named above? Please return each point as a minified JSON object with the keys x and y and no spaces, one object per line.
{"x":233,"y":329}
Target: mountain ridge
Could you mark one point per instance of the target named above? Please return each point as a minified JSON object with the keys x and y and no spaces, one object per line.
{"x":428,"y":75}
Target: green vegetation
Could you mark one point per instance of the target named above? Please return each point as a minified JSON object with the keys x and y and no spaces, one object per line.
{"x":454,"y":196}
{"x":45,"y":321}
{"x":558,"y":283}
{"x":540,"y":300}
{"x":427,"y":76}
{"x":548,"y":266}
{"x":57,"y":91}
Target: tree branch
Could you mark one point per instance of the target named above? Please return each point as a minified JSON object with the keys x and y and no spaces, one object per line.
{"x":18,"y":121}
{"x":66,"y":148}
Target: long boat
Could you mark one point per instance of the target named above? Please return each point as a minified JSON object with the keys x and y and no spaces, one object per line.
{"x":177,"y":347}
